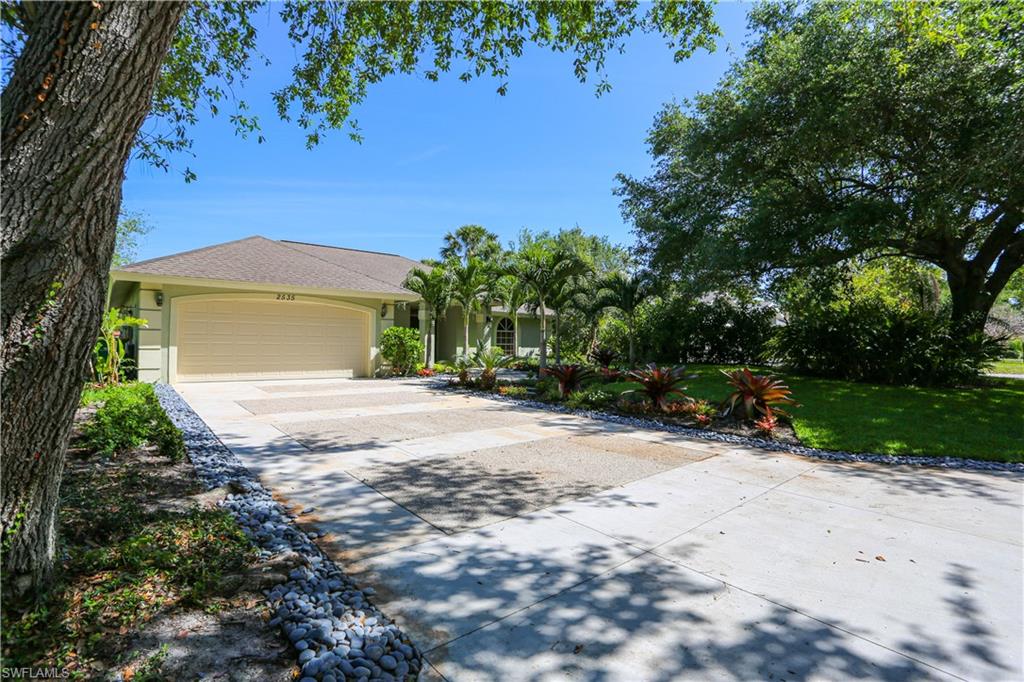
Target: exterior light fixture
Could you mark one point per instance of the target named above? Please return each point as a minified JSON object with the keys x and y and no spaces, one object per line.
{"x":383,"y":309}
{"x":159,"y":298}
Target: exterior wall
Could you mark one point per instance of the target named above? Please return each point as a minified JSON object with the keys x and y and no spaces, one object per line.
{"x":450,"y":334}
{"x":157,"y":343}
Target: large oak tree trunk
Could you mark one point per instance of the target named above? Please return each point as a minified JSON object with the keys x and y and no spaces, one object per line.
{"x":80,"y":90}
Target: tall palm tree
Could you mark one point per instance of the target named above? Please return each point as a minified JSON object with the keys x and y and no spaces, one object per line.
{"x":626,"y":292}
{"x":544,"y":270}
{"x":435,"y":288}
{"x":471,"y":241}
{"x":590,"y":301}
{"x":513,"y":294}
{"x":470,"y":283}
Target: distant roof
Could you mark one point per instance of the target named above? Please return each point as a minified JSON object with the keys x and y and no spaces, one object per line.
{"x":266,"y":261}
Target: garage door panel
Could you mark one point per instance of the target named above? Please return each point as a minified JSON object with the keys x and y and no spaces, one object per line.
{"x":225,"y":339}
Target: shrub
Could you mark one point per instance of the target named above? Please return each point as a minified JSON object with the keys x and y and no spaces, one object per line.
{"x":525,"y":364}
{"x":854,"y":323}
{"x":132,"y":416}
{"x":401,"y":348}
{"x":570,"y":377}
{"x":424,"y":372}
{"x":757,"y":394}
{"x":658,"y":384}
{"x":513,"y":391}
{"x":720,"y":330}
{"x":592,"y":397}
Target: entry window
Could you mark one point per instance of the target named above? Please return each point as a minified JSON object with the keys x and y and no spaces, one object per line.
{"x":414,"y":318}
{"x":505,"y":336}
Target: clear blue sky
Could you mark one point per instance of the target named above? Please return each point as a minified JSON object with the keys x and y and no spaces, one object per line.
{"x":435,"y":155}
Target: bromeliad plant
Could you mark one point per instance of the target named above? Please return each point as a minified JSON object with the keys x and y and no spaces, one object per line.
{"x":659,"y":384}
{"x":603,"y":356}
{"x":757,"y":394}
{"x":570,"y":377}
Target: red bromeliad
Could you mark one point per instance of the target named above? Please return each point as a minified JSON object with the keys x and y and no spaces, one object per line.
{"x":660,"y":383}
{"x":759,"y":394}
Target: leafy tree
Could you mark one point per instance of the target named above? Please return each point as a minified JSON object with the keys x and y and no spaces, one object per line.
{"x":80,"y":80}
{"x":131,"y":226}
{"x":471,"y":241}
{"x":850,"y":129}
{"x":435,"y":288}
{"x":626,"y":293}
{"x":470,"y":284}
{"x":545,"y":270}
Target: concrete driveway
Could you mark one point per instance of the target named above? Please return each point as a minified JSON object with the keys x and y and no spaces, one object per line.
{"x":516,"y":544}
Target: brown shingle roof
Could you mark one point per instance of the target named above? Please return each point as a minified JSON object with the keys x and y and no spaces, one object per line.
{"x":265,"y":261}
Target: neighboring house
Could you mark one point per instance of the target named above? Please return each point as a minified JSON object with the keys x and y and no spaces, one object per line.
{"x":257,"y":308}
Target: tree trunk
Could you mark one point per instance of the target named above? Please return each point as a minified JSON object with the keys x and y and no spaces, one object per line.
{"x":431,"y":331}
{"x":515,"y":334}
{"x":543,"y":359}
{"x":465,"y":333}
{"x":971,"y":302}
{"x":80,"y":90}
{"x":558,"y":337}
{"x":632,"y":347}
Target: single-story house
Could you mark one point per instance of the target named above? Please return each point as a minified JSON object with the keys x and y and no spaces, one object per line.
{"x":261,"y":308}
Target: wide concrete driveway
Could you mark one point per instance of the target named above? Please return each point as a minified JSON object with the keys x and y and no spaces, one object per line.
{"x":515,"y":544}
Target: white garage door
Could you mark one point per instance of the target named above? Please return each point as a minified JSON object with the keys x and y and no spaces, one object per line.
{"x":261,"y":339}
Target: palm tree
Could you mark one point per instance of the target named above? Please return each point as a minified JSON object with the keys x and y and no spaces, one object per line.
{"x":626,"y":292}
{"x":471,"y":241}
{"x":544,"y":270}
{"x":469,"y":285}
{"x":590,"y":301}
{"x":513,"y":294}
{"x":435,"y":288}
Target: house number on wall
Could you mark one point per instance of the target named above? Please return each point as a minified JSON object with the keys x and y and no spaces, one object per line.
{"x":286,"y":297}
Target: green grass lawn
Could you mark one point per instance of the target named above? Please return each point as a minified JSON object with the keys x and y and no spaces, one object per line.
{"x":1007,"y":367}
{"x":981,"y":423}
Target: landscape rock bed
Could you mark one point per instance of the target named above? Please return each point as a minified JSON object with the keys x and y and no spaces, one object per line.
{"x":332,"y":624}
{"x":717,"y":436}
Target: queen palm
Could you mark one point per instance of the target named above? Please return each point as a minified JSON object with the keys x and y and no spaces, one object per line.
{"x":626,"y":292}
{"x":544,"y":270}
{"x":470,"y":283}
{"x":435,"y":288}
{"x":590,"y":301}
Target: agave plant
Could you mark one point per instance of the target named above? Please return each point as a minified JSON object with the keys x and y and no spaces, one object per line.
{"x":659,"y":384}
{"x":603,"y":356}
{"x":758,"y":394}
{"x":570,"y":377}
{"x":490,"y":360}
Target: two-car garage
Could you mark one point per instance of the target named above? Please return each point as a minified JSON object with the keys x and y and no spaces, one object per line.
{"x":265,"y":338}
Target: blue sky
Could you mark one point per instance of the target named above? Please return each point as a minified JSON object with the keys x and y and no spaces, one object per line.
{"x":435,"y":155}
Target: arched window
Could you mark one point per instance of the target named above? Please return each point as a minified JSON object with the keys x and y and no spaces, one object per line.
{"x":505,"y":336}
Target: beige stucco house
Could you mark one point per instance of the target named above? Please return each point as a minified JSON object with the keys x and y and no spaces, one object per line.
{"x":259,"y":308}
